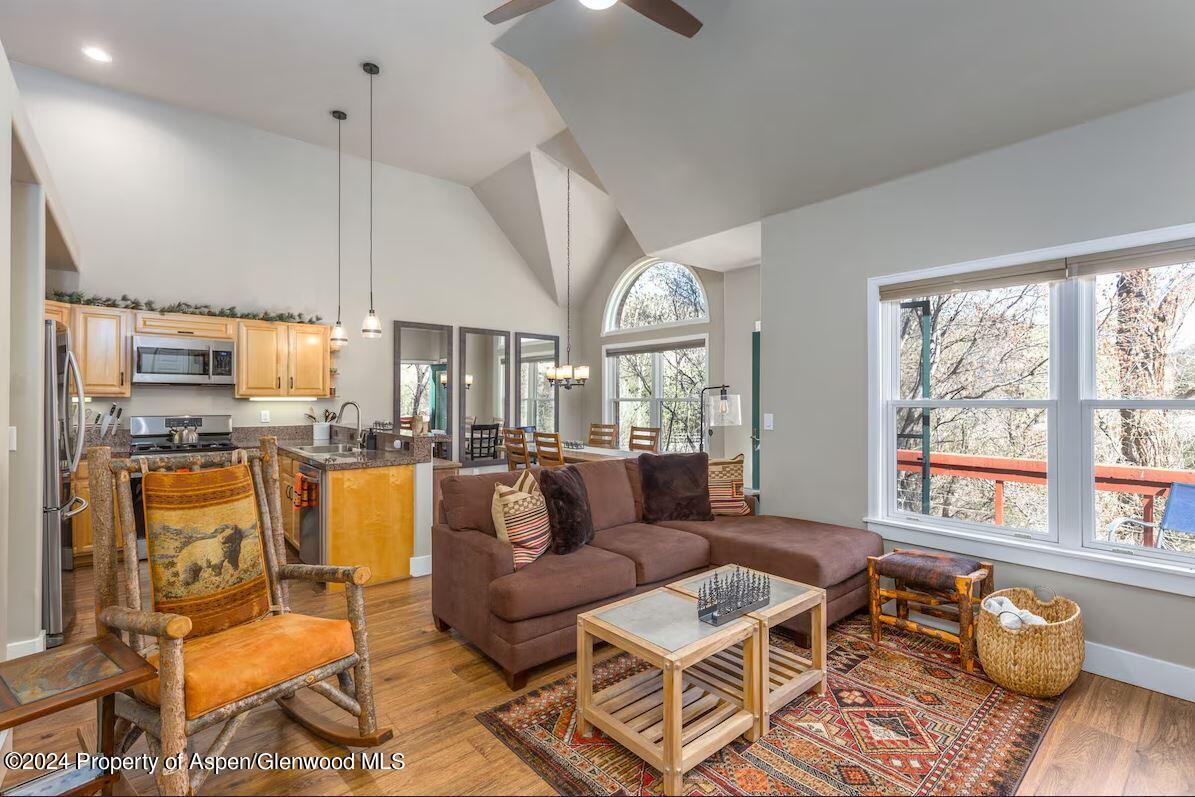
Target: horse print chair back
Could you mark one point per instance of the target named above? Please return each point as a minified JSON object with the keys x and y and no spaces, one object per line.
{"x":217,"y":623}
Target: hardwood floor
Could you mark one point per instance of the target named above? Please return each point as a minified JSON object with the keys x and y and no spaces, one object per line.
{"x":1109,"y":737}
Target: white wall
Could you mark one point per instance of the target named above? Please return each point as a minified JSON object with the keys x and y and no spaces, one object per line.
{"x":172,"y":204}
{"x":1125,"y":173}
{"x":742,"y":312}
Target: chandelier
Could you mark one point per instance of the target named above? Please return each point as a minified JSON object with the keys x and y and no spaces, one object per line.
{"x":568,"y":375}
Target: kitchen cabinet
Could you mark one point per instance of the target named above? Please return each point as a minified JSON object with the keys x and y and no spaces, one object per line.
{"x":309,"y":359}
{"x":282,"y":360}
{"x":149,"y":322}
{"x":58,"y":311}
{"x":101,"y":338}
{"x":261,"y":359}
{"x":82,"y":539}
{"x":290,"y":512}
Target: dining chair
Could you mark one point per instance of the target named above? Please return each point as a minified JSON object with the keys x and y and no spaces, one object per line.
{"x":517,"y":455}
{"x":645,"y":438}
{"x":549,"y":451}
{"x":603,"y":435}
{"x":483,"y":441}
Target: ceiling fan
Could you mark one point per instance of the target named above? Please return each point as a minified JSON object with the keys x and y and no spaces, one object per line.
{"x":662,"y":12}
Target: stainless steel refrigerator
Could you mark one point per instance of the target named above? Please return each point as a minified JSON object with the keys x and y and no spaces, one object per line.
{"x":65,"y":426}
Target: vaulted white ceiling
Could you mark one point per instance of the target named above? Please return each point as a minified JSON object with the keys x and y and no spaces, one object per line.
{"x":448,"y":103}
{"x":780,"y":103}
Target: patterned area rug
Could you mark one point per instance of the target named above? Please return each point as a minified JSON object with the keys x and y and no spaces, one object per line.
{"x":898,"y":718}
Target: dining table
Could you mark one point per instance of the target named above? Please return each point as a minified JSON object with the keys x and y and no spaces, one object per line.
{"x":590,"y":453}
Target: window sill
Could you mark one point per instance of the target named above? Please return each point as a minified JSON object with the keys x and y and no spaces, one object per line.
{"x":1088,"y":563}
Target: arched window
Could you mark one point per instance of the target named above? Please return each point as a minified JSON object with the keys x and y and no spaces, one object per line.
{"x":656,"y":293}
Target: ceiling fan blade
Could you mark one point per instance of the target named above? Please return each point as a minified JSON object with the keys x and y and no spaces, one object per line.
{"x":512,"y":9}
{"x":668,"y":14}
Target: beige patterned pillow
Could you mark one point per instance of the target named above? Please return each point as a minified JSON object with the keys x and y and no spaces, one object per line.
{"x":726,"y":487}
{"x":521,"y":519}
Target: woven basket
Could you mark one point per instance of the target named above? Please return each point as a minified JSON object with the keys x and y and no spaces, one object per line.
{"x":1035,"y":660}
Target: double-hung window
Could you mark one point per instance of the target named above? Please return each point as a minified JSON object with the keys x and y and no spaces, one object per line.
{"x":658,"y":386}
{"x":1051,"y":401}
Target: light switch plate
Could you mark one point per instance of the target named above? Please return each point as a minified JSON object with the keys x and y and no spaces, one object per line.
{"x":12,"y":438}
{"x":769,"y":422}
{"x":265,"y":416}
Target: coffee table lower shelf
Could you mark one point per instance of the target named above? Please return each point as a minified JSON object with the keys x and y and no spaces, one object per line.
{"x":632,"y":713}
{"x":789,"y":675}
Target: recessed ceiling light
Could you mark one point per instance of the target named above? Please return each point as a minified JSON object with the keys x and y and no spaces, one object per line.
{"x":97,"y":54}
{"x":598,"y":5}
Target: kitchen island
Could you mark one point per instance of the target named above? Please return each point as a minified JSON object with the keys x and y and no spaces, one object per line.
{"x":353,"y":507}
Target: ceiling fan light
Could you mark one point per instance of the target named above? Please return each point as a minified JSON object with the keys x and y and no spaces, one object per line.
{"x":371,"y":327}
{"x":598,"y":5}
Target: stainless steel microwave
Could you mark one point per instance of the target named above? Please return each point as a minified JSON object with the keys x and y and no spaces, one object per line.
{"x":179,"y":360}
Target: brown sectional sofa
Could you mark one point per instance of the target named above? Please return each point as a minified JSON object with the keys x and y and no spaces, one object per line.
{"x":528,"y":617}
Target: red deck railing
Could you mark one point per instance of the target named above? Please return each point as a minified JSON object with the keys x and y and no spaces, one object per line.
{"x":1149,"y":482}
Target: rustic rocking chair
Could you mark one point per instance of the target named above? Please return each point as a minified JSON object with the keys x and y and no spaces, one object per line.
{"x":218,"y":610}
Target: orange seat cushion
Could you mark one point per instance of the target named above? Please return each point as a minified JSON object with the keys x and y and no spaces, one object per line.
{"x":245,"y":659}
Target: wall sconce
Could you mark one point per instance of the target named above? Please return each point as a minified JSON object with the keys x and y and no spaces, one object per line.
{"x":468,"y":381}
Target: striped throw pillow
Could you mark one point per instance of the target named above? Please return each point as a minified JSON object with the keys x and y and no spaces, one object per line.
{"x":726,"y":487}
{"x":521,"y":519}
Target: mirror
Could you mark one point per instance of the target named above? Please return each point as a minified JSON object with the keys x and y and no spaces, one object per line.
{"x":423,"y":377}
{"x":536,"y":402}
{"x":485,"y":385}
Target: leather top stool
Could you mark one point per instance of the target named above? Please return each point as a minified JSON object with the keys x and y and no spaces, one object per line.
{"x":943,"y":585}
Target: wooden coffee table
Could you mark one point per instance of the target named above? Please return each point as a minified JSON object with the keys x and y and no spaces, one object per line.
{"x":786,"y":674}
{"x":668,"y":715}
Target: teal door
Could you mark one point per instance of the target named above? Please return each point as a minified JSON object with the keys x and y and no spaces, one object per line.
{"x":756,"y":418}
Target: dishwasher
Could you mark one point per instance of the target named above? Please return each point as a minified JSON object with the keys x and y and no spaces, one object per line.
{"x":311,"y":522}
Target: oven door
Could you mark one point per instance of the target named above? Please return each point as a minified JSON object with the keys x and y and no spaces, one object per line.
{"x":172,"y":360}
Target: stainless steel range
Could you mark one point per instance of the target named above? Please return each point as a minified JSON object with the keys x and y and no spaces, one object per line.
{"x":179,"y":434}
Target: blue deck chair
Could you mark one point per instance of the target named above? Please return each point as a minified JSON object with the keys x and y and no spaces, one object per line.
{"x":1179,"y":515}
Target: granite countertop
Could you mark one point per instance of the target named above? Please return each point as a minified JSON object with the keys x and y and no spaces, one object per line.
{"x":381,"y":458}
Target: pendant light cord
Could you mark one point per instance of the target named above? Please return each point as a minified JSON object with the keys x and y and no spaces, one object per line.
{"x":568,"y":266}
{"x":339,"y":128}
{"x":371,"y":192}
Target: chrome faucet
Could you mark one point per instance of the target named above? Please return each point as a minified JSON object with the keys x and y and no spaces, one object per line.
{"x":359,"y":440}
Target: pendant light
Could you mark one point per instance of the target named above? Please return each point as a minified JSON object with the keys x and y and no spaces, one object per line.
{"x":371,"y":327}
{"x":339,"y":337}
{"x":568,"y":376}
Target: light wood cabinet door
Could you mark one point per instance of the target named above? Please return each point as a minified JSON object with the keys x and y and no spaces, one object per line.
{"x":308,"y":360}
{"x":81,"y":538}
{"x":58,"y":311}
{"x":101,"y":341}
{"x":151,"y":323}
{"x":261,"y":359}
{"x":290,"y":513}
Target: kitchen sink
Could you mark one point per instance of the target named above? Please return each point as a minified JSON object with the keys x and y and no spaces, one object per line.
{"x":334,"y":448}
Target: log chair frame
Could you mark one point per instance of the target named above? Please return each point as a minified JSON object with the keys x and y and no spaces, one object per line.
{"x":957,"y":606}
{"x":166,"y":727}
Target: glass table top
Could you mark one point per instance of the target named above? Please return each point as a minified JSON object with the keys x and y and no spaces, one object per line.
{"x":782,"y":591}
{"x":663,"y":618}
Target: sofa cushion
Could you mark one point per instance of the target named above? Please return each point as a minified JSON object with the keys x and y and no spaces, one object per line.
{"x":521,"y":519}
{"x":675,"y":487}
{"x":611,"y":502}
{"x":568,"y":508}
{"x":465,"y":500}
{"x":820,"y":554}
{"x":553,"y":583}
{"x":636,"y":482}
{"x":726,"y":487}
{"x":657,"y":551}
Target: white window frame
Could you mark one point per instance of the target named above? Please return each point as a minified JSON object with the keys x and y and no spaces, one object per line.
{"x":626,"y":282}
{"x":610,"y":354}
{"x":1070,"y":545}
{"x":533,"y":401}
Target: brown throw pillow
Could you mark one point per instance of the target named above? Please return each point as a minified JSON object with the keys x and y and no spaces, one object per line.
{"x":675,"y":487}
{"x":568,"y":508}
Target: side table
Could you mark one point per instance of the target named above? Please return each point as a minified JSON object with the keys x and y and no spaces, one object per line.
{"x":64,"y":677}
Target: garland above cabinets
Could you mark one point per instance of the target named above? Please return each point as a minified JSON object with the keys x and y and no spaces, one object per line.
{"x":127,"y":303}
